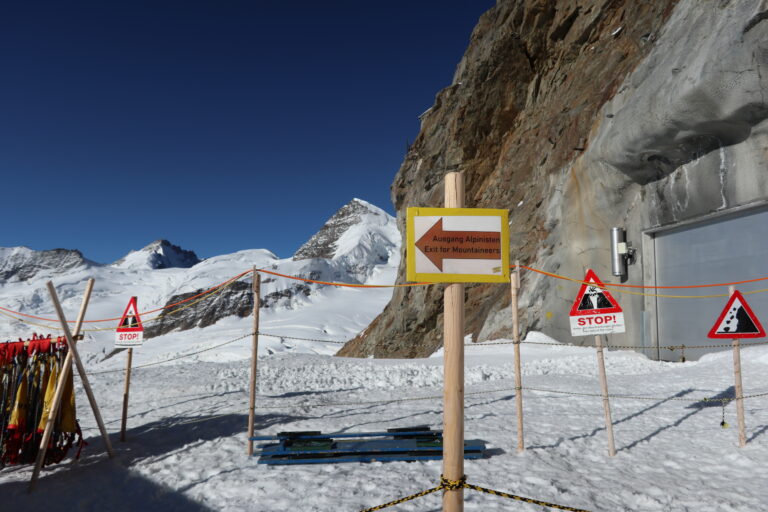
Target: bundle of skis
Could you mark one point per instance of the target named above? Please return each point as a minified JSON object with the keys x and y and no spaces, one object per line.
{"x":29,"y":373}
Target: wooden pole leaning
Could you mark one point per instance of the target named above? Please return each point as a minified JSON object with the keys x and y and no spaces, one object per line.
{"x":254,"y":354}
{"x":738,"y":389}
{"x":453,"y":344}
{"x":604,"y":391}
{"x":126,"y":393}
{"x":516,"y":339}
{"x":80,"y":368}
{"x":59,"y":392}
{"x":66,"y":367}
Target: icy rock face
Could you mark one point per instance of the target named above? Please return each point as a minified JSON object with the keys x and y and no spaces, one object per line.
{"x":22,"y":263}
{"x":684,"y":136}
{"x":157,"y":255}
{"x":355,"y":239}
{"x":701,"y":89}
{"x":324,"y":243}
{"x":580,"y":117}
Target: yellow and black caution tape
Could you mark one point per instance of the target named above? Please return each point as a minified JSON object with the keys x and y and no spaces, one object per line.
{"x":403,"y":500}
{"x":452,"y":485}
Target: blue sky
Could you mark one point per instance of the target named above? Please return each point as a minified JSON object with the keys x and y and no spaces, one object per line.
{"x":219,"y":126}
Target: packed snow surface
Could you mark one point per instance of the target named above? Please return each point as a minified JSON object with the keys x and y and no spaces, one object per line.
{"x":188,"y":415}
{"x":186,"y":437}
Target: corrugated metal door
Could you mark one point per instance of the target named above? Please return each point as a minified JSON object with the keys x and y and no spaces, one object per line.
{"x":726,"y":249}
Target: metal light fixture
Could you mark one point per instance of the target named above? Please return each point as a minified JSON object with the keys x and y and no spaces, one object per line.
{"x":621,"y":253}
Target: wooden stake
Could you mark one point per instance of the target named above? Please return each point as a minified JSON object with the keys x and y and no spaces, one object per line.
{"x":63,"y":376}
{"x":254,"y":353}
{"x":738,"y":389}
{"x":59,"y":392}
{"x":80,"y":368}
{"x":125,"y":394}
{"x":453,"y":344}
{"x":604,"y":391}
{"x":518,"y":375}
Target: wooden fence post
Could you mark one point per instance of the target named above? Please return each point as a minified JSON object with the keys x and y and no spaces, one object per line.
{"x":453,"y":344}
{"x":254,"y":354}
{"x":738,"y":389}
{"x":516,"y":339}
{"x":125,"y":394}
{"x":604,"y":391}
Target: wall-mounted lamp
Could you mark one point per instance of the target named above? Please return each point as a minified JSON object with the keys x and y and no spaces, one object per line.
{"x":621,"y":253}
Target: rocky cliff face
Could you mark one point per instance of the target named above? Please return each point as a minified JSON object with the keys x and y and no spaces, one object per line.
{"x":21,"y":263}
{"x":578,"y":116}
{"x":236,"y":299}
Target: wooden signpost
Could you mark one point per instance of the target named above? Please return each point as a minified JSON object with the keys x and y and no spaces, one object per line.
{"x":129,"y":333}
{"x":456,"y":245}
{"x":72,"y":355}
{"x":254,"y":354}
{"x":515,"y":281}
{"x":596,"y":312}
{"x":737,"y":321}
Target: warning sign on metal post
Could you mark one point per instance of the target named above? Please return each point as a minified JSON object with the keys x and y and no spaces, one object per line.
{"x":130,"y":331}
{"x":458,"y":245}
{"x":595,"y":311}
{"x":737,"y":321}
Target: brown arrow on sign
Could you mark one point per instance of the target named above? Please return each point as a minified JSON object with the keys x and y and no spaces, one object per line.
{"x":438,"y":244}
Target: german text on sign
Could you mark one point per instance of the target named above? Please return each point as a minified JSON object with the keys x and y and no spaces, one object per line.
{"x":595,"y":311}
{"x":130,"y":331}
{"x":457,"y":245}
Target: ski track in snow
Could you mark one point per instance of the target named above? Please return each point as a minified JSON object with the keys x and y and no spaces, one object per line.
{"x":186,"y":447}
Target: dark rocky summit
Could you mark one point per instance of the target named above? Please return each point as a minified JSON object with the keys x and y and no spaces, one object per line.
{"x":158,"y":255}
{"x":323,"y":244}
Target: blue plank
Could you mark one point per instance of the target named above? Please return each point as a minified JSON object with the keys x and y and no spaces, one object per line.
{"x":400,"y":445}
{"x":361,"y":458}
{"x":344,"y":435}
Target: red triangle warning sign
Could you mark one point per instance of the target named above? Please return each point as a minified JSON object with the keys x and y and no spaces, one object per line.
{"x":592,"y":299}
{"x":737,"y":321}
{"x":130,"y":322}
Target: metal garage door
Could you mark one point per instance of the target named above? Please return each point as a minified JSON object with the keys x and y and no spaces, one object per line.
{"x":726,"y":249}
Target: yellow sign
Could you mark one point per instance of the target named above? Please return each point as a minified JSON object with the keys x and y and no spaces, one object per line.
{"x":457,"y":245}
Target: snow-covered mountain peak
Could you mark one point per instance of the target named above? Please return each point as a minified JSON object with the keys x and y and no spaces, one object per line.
{"x":346,"y":230}
{"x":362,"y":244}
{"x":23,"y":263}
{"x":157,"y":255}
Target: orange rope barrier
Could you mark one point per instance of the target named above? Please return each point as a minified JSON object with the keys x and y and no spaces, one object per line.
{"x":339,"y":284}
{"x":550,"y":274}
{"x":209,"y":290}
{"x":349,"y":285}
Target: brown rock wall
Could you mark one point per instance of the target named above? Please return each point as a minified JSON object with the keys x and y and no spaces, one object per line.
{"x":522,"y":107}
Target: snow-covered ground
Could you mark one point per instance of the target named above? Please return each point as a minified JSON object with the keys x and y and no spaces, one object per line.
{"x":186,"y":439}
{"x":186,"y":447}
